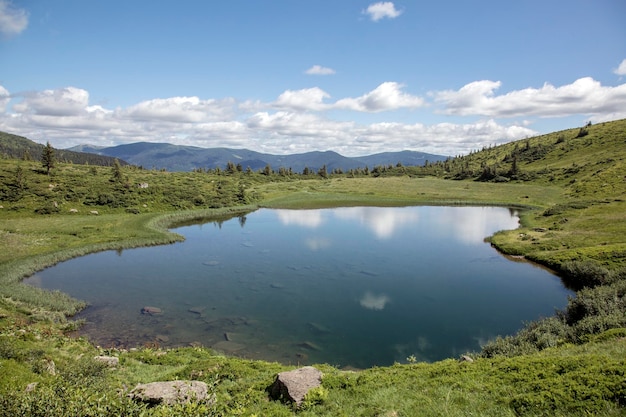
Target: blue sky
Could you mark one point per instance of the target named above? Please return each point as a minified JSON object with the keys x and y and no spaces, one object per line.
{"x":356,"y":77}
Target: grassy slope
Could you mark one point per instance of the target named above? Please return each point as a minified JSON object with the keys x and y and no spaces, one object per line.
{"x":579,"y":214}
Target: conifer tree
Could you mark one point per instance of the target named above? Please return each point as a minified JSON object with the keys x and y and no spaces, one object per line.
{"x":48,"y":158}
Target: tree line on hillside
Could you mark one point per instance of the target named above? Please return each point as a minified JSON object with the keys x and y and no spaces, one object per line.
{"x":17,"y":147}
{"x":234,"y":169}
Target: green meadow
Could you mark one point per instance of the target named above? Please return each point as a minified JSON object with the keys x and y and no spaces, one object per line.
{"x":569,"y":185}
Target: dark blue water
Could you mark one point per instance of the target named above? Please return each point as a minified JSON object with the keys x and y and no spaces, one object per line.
{"x":357,"y":286}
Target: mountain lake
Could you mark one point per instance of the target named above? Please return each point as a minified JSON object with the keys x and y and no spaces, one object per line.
{"x":353,"y":287}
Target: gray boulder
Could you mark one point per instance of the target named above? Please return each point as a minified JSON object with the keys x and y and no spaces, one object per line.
{"x":110,"y":361}
{"x":294,"y":385}
{"x":170,"y":392}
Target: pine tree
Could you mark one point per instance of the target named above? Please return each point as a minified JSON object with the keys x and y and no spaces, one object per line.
{"x":48,"y":158}
{"x":117,"y":171}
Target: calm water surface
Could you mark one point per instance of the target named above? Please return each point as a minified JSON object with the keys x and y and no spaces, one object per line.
{"x":358,"y":286}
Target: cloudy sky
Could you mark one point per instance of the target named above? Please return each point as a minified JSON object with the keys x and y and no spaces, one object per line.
{"x":285,"y":76}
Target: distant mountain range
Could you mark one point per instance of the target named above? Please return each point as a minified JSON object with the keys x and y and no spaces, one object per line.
{"x":186,"y":158}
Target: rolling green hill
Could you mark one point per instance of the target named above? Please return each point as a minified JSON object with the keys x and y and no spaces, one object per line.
{"x":18,"y":147}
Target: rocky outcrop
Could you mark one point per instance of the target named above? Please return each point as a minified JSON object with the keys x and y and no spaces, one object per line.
{"x":170,"y":392}
{"x":293,"y":385}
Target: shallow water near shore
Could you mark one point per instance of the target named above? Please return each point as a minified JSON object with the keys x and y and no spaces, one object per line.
{"x":358,"y":287}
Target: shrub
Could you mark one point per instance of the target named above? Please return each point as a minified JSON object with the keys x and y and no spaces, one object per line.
{"x":580,"y":274}
{"x":535,"y":336}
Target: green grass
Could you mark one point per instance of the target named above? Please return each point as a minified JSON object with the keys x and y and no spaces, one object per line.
{"x":571,"y":193}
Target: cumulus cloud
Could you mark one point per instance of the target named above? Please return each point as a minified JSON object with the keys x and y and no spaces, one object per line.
{"x":67,"y":101}
{"x":66,"y":117}
{"x":319,"y":70}
{"x":621,"y":70}
{"x":306,"y":99}
{"x":13,"y":21}
{"x":181,"y":109}
{"x":387,"y":96}
{"x":305,"y":120}
{"x":381,"y":10}
{"x":584,"y":96}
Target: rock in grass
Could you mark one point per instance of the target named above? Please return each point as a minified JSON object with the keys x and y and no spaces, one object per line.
{"x":293,"y":386}
{"x":111,"y":361}
{"x":170,"y":392}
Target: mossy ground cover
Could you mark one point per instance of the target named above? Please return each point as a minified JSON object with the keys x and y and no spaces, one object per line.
{"x":571,"y":188}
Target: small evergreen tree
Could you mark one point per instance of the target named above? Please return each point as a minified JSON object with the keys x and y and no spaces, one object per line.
{"x":322,"y":172}
{"x":48,"y":158}
{"x":117,"y":171}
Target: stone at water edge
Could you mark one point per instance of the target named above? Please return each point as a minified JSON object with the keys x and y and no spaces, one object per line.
{"x":294,"y":385}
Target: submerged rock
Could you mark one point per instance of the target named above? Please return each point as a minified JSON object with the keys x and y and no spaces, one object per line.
{"x":309,"y":345}
{"x":197,"y":310}
{"x":151,"y":310}
{"x":318,"y":328}
{"x":228,"y":347}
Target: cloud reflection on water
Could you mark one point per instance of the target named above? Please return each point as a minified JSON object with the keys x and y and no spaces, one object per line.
{"x":311,"y":219}
{"x":317,"y":243}
{"x":374,"y":301}
{"x":383,"y":221}
{"x":473,"y":224}
{"x":469,"y":225}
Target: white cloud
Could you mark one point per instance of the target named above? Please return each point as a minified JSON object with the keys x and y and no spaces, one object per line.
{"x":387,"y":96}
{"x":66,"y":117}
{"x":381,"y":10}
{"x":181,"y":109}
{"x":584,"y":96}
{"x":306,"y":120}
{"x":319,"y":70}
{"x":5,"y":97}
{"x":12,"y":21}
{"x":306,"y":99}
{"x":621,"y":70}
{"x":60,"y":102}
